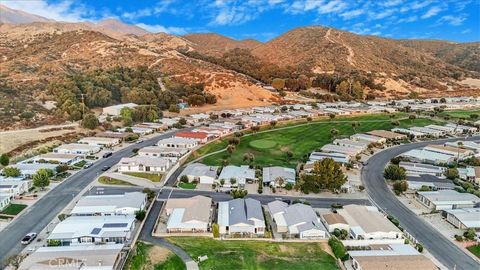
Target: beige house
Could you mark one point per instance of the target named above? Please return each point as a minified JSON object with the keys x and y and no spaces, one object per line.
{"x":189,"y":214}
{"x":334,"y":221}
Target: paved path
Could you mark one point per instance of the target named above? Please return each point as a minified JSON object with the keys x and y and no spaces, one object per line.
{"x":146,"y":235}
{"x":438,"y":245}
{"x":39,"y":215}
{"x":138,"y":181}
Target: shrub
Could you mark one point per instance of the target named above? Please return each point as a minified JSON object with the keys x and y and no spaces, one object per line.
{"x":469,"y":234}
{"x":394,"y":172}
{"x":459,"y":238}
{"x":184,"y":179}
{"x":215,"y":230}
{"x":140,"y":215}
{"x":4,"y":160}
{"x":53,"y":243}
{"x":338,"y":249}
{"x":11,"y":172}
{"x":419,"y":247}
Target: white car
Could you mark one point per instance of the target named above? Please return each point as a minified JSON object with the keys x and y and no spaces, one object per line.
{"x":28,"y":238}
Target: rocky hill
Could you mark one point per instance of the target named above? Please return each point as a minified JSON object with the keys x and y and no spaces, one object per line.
{"x":216,"y":45}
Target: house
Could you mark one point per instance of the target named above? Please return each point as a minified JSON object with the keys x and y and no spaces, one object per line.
{"x":422,"y":155}
{"x":78,"y":230}
{"x":115,"y":110}
{"x":337,"y":157}
{"x":201,"y":137}
{"x":77,"y":149}
{"x":392,"y":256}
{"x":213,"y":131}
{"x":109,"y":205}
{"x":152,"y":125}
{"x":360,"y":145}
{"x":272,"y":176}
{"x":29,"y":169}
{"x":114,"y":135}
{"x":412,"y":168}
{"x":297,"y":220}
{"x":332,"y":148}
{"x":241,"y":216}
{"x":177,"y":142}
{"x":428,"y":131}
{"x":15,"y":186}
{"x":189,"y":214}
{"x":366,"y":222}
{"x":144,"y":164}
{"x":464,"y":218}
{"x":412,"y":133}
{"x":426,"y":180}
{"x":57,"y":158}
{"x":463,"y":128}
{"x":389,"y":135}
{"x":444,"y":129}
{"x":100,"y":141}
{"x":200,"y":117}
{"x":84,"y":257}
{"x":142,"y":131}
{"x":456,"y":152}
{"x":242,"y":175}
{"x":200,"y":173}
{"x":465,"y":145}
{"x":166,"y":152}
{"x":4,"y":201}
{"x":334,"y":221}
{"x":446,"y":199}
{"x":467,"y":173}
{"x":368,"y":138}
{"x":169,"y":121}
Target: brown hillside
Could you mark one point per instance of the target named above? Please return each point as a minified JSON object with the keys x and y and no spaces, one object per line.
{"x":216,"y":45}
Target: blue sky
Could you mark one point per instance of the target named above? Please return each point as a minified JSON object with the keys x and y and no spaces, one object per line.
{"x":455,"y":20}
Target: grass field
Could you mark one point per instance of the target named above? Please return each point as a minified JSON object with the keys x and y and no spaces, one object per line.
{"x":154,"y":177}
{"x":234,"y":255}
{"x":475,"y":250}
{"x":112,"y":181}
{"x":13,"y":209}
{"x":148,"y":256}
{"x":187,"y":185}
{"x":460,"y":113}
{"x":300,"y":140}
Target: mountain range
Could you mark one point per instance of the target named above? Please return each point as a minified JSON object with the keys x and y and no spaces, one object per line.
{"x":35,"y":50}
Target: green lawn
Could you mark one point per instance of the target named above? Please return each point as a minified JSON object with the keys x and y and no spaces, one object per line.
{"x":475,"y":250}
{"x":269,"y":147}
{"x":112,"y":181}
{"x":154,"y":177}
{"x":140,"y":260}
{"x":187,"y":185}
{"x":80,"y":164}
{"x":13,"y":209}
{"x":209,"y":148}
{"x":461,"y":113}
{"x":246,"y":254}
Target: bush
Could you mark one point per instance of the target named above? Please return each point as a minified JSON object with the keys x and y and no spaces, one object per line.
{"x":140,"y":215}
{"x":215,"y":230}
{"x":459,"y":238}
{"x":4,"y":160}
{"x":53,"y":243}
{"x":11,"y":172}
{"x":419,"y":247}
{"x":184,"y":179}
{"x":400,"y":186}
{"x":238,"y":193}
{"x":394,"y":172}
{"x":338,"y":249}
{"x":469,"y":234}
{"x":150,"y":193}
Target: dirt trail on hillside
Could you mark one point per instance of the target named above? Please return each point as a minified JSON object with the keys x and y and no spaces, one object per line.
{"x":351,"y":53}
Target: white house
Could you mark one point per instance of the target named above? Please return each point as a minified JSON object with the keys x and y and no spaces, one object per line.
{"x":428,"y":131}
{"x":4,"y":201}
{"x":366,"y":222}
{"x":272,"y":176}
{"x":100,"y":141}
{"x":412,"y":168}
{"x":368,"y":138}
{"x":29,"y":169}
{"x":464,"y":218}
{"x":462,"y":128}
{"x":144,"y":164}
{"x":334,"y":221}
{"x":188,"y":214}
{"x":77,"y":149}
{"x":361,"y":145}
{"x":115,"y":110}
{"x":167,"y":152}
{"x":332,"y":148}
{"x":337,"y":157}
{"x":241,"y":216}
{"x":422,"y":155}
{"x":444,"y":129}
{"x":474,"y":146}
{"x":414,"y":134}
{"x":242,"y":175}
{"x":109,"y":205}
{"x":77,"y":230}
{"x":446,"y":199}
{"x":138,"y":130}
{"x":57,"y":158}
{"x":177,"y":142}
{"x":201,"y":173}
{"x":456,"y":152}
{"x":14,"y":187}
{"x":297,"y":220}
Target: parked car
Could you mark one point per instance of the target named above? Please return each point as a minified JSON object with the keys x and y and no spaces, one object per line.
{"x":107,"y":154}
{"x":105,"y":168}
{"x":87,"y":165}
{"x":140,"y":140}
{"x":28,"y":238}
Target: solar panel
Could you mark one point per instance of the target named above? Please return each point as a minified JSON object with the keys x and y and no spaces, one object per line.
{"x":96,"y":230}
{"x":115,"y":225}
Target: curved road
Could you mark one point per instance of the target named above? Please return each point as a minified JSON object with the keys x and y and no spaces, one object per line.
{"x":438,"y":245}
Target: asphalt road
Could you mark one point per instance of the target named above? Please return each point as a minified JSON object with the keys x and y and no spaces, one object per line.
{"x":438,"y":245}
{"x":40,"y":214}
{"x":315,"y":202}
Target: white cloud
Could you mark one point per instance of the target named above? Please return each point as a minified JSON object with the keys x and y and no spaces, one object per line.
{"x":408,"y":19}
{"x":466,"y":31}
{"x":391,"y":3}
{"x":62,"y":11}
{"x":156,"y":28}
{"x":332,"y":6}
{"x":431,"y":12}
{"x":352,"y":13}
{"x":452,"y":20}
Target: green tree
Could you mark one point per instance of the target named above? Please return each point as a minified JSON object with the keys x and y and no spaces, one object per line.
{"x":11,"y":172}
{"x":334,"y":132}
{"x":90,"y":121}
{"x":326,"y":174}
{"x":41,"y":178}
{"x":140,"y":215}
{"x":150,"y":193}
{"x":451,"y":173}
{"x":394,"y":172}
{"x":184,"y":179}
{"x":470,"y":234}
{"x":173,"y":108}
{"x":400,"y":186}
{"x":338,"y":248}
{"x":182,"y":121}
{"x":4,"y":160}
{"x":238,"y":193}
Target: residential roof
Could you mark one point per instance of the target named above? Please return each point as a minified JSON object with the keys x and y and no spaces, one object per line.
{"x":334,"y":218}
{"x":198,"y":169}
{"x":76,"y":146}
{"x":412,"y":262}
{"x":422,"y":154}
{"x":95,"y":257}
{"x":300,"y":217}
{"x":162,"y":150}
{"x":367,"y":137}
{"x":99,"y":139}
{"x":447,"y":196}
{"x":272,"y":173}
{"x":367,"y":218}
{"x":276,"y":207}
{"x":56,"y":156}
{"x":108,"y":203}
{"x":177,"y":140}
{"x":145,"y":161}
{"x":239,"y":173}
{"x":195,"y":208}
{"x":195,"y":135}
{"x":340,"y":149}
{"x":94,"y":226}
{"x":116,"y":135}
{"x":470,"y":217}
{"x":385,"y":134}
{"x":447,"y":148}
{"x":241,"y":211}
